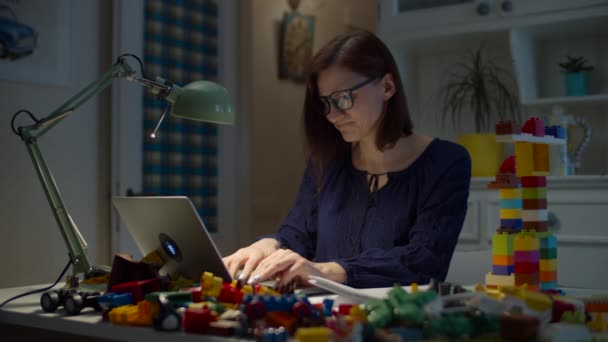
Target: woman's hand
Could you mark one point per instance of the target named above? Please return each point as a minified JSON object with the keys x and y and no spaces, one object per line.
{"x":285,"y":266}
{"x":249,"y":257}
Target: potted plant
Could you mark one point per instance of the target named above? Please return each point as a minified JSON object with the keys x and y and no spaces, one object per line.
{"x":478,"y":87}
{"x":575,"y":70}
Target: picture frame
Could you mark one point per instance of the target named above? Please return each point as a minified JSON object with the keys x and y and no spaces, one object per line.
{"x":296,"y":45}
{"x":38,"y":47}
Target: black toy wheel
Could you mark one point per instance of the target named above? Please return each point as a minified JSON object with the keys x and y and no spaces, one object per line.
{"x":49,"y":301}
{"x":73,"y":304}
{"x":170,"y":322}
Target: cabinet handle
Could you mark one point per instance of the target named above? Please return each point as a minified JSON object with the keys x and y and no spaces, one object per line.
{"x":553,"y":222}
{"x":483,"y":8}
{"x":507,"y":6}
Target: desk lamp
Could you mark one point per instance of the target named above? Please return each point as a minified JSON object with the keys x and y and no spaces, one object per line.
{"x":200,"y":100}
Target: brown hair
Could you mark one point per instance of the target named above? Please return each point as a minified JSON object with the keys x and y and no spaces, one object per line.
{"x":363,"y":53}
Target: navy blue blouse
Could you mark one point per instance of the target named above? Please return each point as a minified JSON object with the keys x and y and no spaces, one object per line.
{"x":404,"y":232}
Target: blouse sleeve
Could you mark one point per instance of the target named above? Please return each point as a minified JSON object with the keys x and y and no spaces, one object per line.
{"x":298,"y":231}
{"x":432,"y":238}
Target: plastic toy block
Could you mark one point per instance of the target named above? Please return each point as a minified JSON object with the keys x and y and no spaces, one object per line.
{"x":561,"y":133}
{"x":551,"y":130}
{"x":328,"y":303}
{"x":358,"y":313}
{"x":509,"y":193}
{"x":507,"y":165}
{"x":525,"y":267}
{"x":502,"y":244}
{"x":198,"y":321}
{"x":137,"y":288}
{"x":534,"y":204}
{"x":524,"y":152}
{"x":596,"y":304}
{"x":544,"y":286}
{"x":502,"y":260}
{"x":255,"y":310}
{"x":301,"y":309}
{"x":517,"y":224}
{"x":541,"y":173}
{"x":535,"y":215}
{"x":247,"y":289}
{"x":274,"y":335}
{"x":140,"y":314}
{"x":502,"y":270}
{"x":281,"y":319}
{"x":112,"y":300}
{"x":548,"y":265}
{"x":541,"y":157}
{"x":525,"y":278}
{"x":313,"y":334}
{"x":526,"y":256}
{"x":534,"y":126}
{"x":500,"y":280}
{"x":515,"y":203}
{"x":528,"y":138}
{"x":548,"y":276}
{"x":504,"y":181}
{"x":230,"y":294}
{"x":507,"y":127}
{"x":525,"y":241}
{"x":538,"y":226}
{"x":176,"y":298}
{"x":510,"y":214}
{"x":533,"y":182}
{"x":534,"y":193}
{"x":213,"y":306}
{"x":548,"y":253}
{"x":211,"y":285}
{"x":547,"y":240}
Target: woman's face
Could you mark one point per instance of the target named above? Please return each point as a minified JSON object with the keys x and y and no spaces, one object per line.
{"x":359,"y":122}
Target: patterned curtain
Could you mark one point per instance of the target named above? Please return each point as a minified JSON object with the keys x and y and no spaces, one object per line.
{"x":181,"y":46}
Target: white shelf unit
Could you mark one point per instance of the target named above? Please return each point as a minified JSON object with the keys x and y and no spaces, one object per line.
{"x":537,"y":50}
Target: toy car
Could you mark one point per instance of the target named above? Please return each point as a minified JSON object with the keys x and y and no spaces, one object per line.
{"x":16,"y":39}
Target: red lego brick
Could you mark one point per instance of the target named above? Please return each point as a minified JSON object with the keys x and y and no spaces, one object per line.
{"x":508,"y":165}
{"x":504,"y":181}
{"x":507,"y":127}
{"x":197,"y":321}
{"x":539,"y":226}
{"x":534,"y":182}
{"x":530,"y":279}
{"x":526,"y":267}
{"x":534,"y":204}
{"x":534,"y":126}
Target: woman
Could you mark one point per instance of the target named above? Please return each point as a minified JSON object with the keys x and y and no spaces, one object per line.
{"x":379,"y":203}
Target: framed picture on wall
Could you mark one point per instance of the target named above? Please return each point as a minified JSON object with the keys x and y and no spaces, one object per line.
{"x":295,"y":48}
{"x":35,"y":41}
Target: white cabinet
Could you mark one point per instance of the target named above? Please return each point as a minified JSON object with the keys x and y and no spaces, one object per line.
{"x":578,"y":207}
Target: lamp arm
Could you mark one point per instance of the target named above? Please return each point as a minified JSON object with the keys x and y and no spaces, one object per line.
{"x":74,"y":241}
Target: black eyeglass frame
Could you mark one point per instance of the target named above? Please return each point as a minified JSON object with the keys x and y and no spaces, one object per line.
{"x":328,"y":100}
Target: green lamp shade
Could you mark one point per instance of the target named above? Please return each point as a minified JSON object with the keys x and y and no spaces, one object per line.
{"x":202,"y":101}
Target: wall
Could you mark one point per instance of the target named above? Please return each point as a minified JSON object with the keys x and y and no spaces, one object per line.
{"x":76,"y":151}
{"x":273,"y":106}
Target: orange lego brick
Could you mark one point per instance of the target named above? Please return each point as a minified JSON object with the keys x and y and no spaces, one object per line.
{"x":502,"y":260}
{"x":541,"y":158}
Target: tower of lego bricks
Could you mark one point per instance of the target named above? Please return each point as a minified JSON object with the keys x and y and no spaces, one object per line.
{"x":523,"y":250}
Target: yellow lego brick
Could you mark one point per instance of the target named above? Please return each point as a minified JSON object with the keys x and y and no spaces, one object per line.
{"x":534,"y":193}
{"x":548,"y":265}
{"x":541,"y":158}
{"x":140,"y":314}
{"x":216,"y":288}
{"x":543,"y":235}
{"x":541,"y":173}
{"x":524,"y":159}
{"x":514,"y":193}
{"x":502,"y":244}
{"x":510,"y":214}
{"x":247,"y":289}
{"x":499,"y":280}
{"x":313,"y":334}
{"x":526,"y":241}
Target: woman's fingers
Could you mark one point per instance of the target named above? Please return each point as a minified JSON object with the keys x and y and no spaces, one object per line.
{"x":271,"y":265}
{"x":250,"y":265}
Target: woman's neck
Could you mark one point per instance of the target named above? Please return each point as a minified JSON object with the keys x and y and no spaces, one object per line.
{"x":367,"y":157}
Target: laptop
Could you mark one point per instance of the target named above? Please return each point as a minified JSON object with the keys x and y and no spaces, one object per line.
{"x":171,"y":226}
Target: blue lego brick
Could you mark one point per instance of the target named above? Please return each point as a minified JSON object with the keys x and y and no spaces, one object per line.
{"x":513,"y":203}
{"x":561,"y":132}
{"x":548,"y":242}
{"x":511,"y":223}
{"x":502,"y":270}
{"x":113,"y":300}
{"x":552,"y":285}
{"x":328,"y":303}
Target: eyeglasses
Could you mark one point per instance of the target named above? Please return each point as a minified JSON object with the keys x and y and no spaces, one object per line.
{"x":343,"y":99}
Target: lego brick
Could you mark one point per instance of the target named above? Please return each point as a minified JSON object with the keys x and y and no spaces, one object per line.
{"x":533,"y":193}
{"x":313,"y":334}
{"x":547,"y":276}
{"x":509,"y":193}
{"x":548,"y":241}
{"x":534,"y":182}
{"x":512,"y":223}
{"x":548,"y":264}
{"x":541,"y":157}
{"x":524,"y":158}
{"x":508,"y":230}
{"x":500,"y":280}
{"x":538,"y":226}
{"x":529,"y":279}
{"x":510,"y":214}
{"x":561,"y":133}
{"x":514,"y":203}
{"x":541,"y":173}
{"x":548,"y":253}
{"x":525,"y":267}
{"x":534,"y":204}
{"x":507,"y":127}
{"x":507,"y":166}
{"x":552,"y":285}
{"x":526,"y":256}
{"x":502,"y":244}
{"x":596,"y":305}
{"x":535,"y":215}
{"x":544,"y":236}
{"x":534,"y":126}
{"x":502,"y":270}
{"x":525,"y":241}
{"x":502,"y":260}
{"x":517,"y":138}
{"x":504,"y":180}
